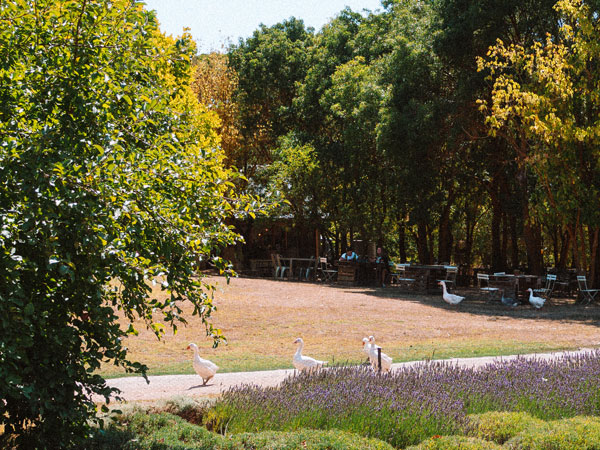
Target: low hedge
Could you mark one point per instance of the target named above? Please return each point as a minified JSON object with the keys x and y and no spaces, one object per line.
{"x":576,"y":433}
{"x":455,"y":443}
{"x":169,"y":432}
{"x":500,"y":426}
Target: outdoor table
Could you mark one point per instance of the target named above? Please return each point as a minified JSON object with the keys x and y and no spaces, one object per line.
{"x":298,"y":261}
{"x":363,"y":273}
{"x":426,"y":276}
{"x":526,"y":282}
{"x":367,"y":273}
{"x":347,"y":271}
{"x":517,"y":285}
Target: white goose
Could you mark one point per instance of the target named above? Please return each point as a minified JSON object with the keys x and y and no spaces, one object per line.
{"x":537,"y":302}
{"x":303,"y":363}
{"x":386,"y":361}
{"x":203,"y":367}
{"x":367,"y":350}
{"x":451,"y":299}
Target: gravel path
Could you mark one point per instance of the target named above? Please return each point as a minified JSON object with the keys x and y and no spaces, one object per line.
{"x":168,"y":386}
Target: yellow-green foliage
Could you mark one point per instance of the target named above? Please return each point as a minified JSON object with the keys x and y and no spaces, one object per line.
{"x":455,"y":443}
{"x":500,"y":426}
{"x":166,"y":431}
{"x":577,"y":433}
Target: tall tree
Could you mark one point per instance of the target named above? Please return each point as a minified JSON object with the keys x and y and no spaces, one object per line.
{"x":215,"y":83}
{"x":545,"y":103}
{"x":268,"y":64}
{"x":111,"y":178}
{"x":466,"y":30}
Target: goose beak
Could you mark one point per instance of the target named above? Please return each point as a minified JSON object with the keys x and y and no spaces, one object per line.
{"x":188,"y":347}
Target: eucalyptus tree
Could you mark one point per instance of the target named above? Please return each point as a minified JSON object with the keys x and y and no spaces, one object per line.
{"x":545,"y":103}
{"x":331,"y":48}
{"x":466,"y":30}
{"x":412,"y":131}
{"x":269,"y":64}
{"x":112,"y":179}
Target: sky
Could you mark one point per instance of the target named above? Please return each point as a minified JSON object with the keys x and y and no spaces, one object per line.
{"x":216,"y":23}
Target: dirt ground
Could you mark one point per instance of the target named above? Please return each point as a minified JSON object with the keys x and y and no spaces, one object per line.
{"x":261,"y":318}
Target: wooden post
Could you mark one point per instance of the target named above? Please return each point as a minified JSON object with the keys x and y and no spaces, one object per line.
{"x":317,"y":253}
{"x":379,"y":359}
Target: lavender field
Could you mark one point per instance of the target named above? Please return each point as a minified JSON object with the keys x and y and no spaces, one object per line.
{"x":414,"y":403}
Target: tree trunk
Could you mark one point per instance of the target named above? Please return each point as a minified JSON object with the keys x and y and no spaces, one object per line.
{"x":595,"y":262}
{"x":470,"y":228}
{"x":430,"y":241}
{"x":504,"y":242}
{"x":422,"y":245}
{"x":565,"y":245}
{"x":402,"y":240}
{"x":514,"y":242}
{"x":531,"y":235}
{"x":496,"y":256}
{"x":445,"y":236}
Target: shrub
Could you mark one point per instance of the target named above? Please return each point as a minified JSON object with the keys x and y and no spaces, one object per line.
{"x":413,"y":403}
{"x":110,"y":177}
{"x":187,"y":408}
{"x":168,"y":432}
{"x":576,"y":433}
{"x":306,"y":440}
{"x":455,"y":443}
{"x":499,"y":426}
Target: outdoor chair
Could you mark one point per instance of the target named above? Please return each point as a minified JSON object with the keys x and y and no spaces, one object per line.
{"x":546,"y":291}
{"x":397,"y":272}
{"x":403,"y":279}
{"x":279,"y":269}
{"x":451,"y":273}
{"x":483,"y":283}
{"x":325,"y":271}
{"x":305,"y":273}
{"x":587,"y":295}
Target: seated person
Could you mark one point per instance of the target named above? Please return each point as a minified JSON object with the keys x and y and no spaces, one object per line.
{"x":349,"y":255}
{"x":383,"y":264}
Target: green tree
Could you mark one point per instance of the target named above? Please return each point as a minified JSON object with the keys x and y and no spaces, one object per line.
{"x":111,"y":179}
{"x":545,"y":103}
{"x":268,"y":64}
{"x":465,"y":30}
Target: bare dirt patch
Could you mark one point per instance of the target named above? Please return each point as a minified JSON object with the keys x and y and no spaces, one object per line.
{"x":261,"y":318}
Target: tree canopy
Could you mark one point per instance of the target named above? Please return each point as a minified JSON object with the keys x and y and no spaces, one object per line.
{"x":389,"y":102}
{"x":112,"y":179}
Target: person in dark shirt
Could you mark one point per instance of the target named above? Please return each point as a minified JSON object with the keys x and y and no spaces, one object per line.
{"x":383,"y":265}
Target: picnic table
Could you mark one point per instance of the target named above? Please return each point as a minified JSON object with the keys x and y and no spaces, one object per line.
{"x":362,"y":273}
{"x":514,"y":286}
{"x":425,"y":277}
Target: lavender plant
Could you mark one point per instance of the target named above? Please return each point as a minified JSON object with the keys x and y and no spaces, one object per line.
{"x":417,"y":402}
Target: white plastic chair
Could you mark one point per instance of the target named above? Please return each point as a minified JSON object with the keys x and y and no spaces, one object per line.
{"x":485,"y":278}
{"x":589,"y":295}
{"x":546,"y":291}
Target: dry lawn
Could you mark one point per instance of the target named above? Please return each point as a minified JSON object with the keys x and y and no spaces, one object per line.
{"x":261,"y":318}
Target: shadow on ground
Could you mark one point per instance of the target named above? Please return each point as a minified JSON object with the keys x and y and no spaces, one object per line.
{"x":562,"y":309}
